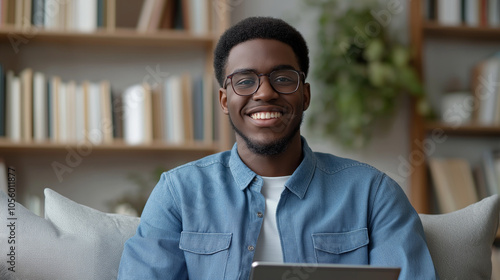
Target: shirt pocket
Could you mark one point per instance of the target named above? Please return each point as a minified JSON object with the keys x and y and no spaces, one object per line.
{"x":344,"y":247}
{"x":206,"y":254}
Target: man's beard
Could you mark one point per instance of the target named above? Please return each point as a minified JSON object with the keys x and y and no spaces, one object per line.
{"x":274,"y":148}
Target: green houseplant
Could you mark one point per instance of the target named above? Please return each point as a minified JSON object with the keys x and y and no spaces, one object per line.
{"x":362,"y":72}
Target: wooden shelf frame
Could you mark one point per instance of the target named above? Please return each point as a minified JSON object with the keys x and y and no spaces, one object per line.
{"x":117,"y":145}
{"x":119,"y":36}
{"x":434,"y":29}
{"x":469,"y":130}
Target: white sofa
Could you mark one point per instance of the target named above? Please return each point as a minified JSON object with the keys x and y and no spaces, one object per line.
{"x":74,"y":241}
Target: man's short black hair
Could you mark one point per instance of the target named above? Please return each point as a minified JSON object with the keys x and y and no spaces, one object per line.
{"x":259,"y":28}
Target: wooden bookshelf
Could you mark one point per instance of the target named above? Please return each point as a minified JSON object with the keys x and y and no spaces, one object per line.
{"x":424,"y":31}
{"x":112,"y":48}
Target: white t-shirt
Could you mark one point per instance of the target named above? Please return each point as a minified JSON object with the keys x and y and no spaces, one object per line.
{"x":269,"y":245}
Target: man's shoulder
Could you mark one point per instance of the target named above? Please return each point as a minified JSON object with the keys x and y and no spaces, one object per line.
{"x":218,"y":159}
{"x":329,"y":163}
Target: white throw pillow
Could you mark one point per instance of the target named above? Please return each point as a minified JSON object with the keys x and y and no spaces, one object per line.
{"x":73,"y":242}
{"x":460,"y":242}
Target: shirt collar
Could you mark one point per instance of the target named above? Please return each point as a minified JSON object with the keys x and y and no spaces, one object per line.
{"x":298,"y":182}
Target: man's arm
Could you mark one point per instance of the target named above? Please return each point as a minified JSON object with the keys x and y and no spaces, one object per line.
{"x":153,"y":252}
{"x":396,"y":234}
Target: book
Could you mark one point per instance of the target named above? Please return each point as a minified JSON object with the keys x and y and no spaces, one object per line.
{"x":187,"y":106}
{"x":117,"y":109}
{"x":26,"y":20}
{"x":40,"y":107}
{"x":493,"y":13}
{"x":198,"y":16}
{"x":3,"y":176}
{"x":106,"y":114}
{"x":208,"y":108}
{"x":484,"y":79}
{"x":158,"y":113}
{"x":80,"y":113}
{"x":483,"y":13}
{"x":156,"y":16}
{"x":198,"y":108}
{"x":480,"y":179}
{"x":85,"y":15}
{"x":453,"y":182}
{"x":167,"y":18}
{"x":145,"y":15}
{"x":110,"y":15}
{"x":63,"y":113}
{"x":26,"y":77}
{"x":71,"y":111}
{"x":2,"y":101}
{"x":133,"y":114}
{"x":449,"y":12}
{"x":94,"y":129}
{"x":471,"y":12}
{"x":14,"y":107}
{"x":147,"y":115}
{"x":490,"y":165}
{"x":10,"y":7}
{"x":173,"y":93}
{"x":52,"y":10}
{"x":38,"y":13}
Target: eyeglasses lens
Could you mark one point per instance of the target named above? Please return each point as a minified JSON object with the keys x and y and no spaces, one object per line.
{"x":283,"y":81}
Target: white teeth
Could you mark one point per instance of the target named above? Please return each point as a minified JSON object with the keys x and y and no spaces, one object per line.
{"x":265,"y":115}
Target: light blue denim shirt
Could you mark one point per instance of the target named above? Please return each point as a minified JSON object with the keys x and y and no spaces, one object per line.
{"x":203,"y":219}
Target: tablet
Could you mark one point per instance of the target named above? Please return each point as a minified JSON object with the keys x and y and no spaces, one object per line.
{"x":311,"y":271}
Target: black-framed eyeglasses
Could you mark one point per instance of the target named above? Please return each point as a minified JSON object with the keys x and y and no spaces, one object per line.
{"x":247,"y":82}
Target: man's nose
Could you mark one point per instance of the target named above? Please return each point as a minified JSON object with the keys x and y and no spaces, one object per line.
{"x":265,"y":91}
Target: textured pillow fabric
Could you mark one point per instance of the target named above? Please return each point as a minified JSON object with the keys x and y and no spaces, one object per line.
{"x":41,"y":251}
{"x":73,"y":242}
{"x":460,"y":242}
{"x":104,"y":234}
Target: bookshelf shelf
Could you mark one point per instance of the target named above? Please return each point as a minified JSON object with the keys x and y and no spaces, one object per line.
{"x":119,"y":36}
{"x":434,"y":29}
{"x":117,"y":145}
{"x":470,"y":130}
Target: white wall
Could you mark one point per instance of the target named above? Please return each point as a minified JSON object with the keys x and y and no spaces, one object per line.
{"x":390,"y":147}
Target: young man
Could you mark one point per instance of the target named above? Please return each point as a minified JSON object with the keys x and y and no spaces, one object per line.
{"x":271,"y":198}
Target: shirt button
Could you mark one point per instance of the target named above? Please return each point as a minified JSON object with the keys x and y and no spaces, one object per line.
{"x":251,"y":248}
{"x":260,"y":215}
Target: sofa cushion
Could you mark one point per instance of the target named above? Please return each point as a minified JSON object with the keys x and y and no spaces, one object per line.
{"x":73,"y":241}
{"x":460,"y":242}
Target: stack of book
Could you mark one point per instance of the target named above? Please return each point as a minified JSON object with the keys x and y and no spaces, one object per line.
{"x":453,"y":183}
{"x":457,"y":184}
{"x":90,"y":15}
{"x":68,"y":15}
{"x":463,"y":12}
{"x":191,"y":15}
{"x":37,"y":108}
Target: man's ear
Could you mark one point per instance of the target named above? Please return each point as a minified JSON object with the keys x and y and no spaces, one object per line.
{"x":223,"y":100}
{"x":307,"y":95}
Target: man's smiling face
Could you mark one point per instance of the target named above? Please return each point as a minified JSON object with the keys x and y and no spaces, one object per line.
{"x":267,"y":120}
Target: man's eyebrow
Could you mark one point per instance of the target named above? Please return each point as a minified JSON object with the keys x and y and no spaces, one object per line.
{"x":277,"y":67}
{"x":283,"y":67}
